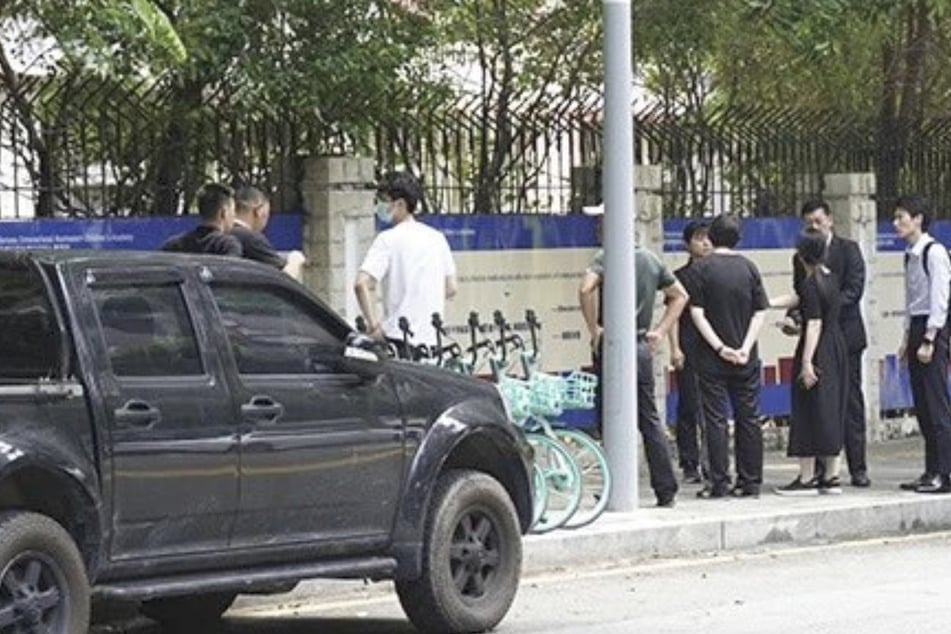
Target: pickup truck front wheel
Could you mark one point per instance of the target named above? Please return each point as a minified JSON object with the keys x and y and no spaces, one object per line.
{"x":43,"y":584}
{"x":472,"y":557}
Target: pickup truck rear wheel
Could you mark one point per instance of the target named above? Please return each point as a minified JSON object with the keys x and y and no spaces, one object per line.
{"x":472,"y":557}
{"x":179,"y":613}
{"x":43,"y":584}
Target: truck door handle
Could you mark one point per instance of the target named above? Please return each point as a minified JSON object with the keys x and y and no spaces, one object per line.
{"x":136,"y":413}
{"x":262,"y":409}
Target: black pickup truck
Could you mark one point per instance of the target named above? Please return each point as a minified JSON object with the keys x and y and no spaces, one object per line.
{"x":177,"y":430}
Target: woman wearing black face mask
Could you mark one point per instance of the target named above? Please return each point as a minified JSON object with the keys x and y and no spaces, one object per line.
{"x":818,"y":394}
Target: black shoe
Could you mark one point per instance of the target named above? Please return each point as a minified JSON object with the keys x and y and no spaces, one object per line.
{"x":692,"y":476}
{"x":798,"y":488}
{"x":923,"y":479}
{"x":712,"y":492}
{"x":861,"y":481}
{"x":666,"y":501}
{"x":832,"y":486}
{"x":745,"y":491}
{"x":938,"y":485}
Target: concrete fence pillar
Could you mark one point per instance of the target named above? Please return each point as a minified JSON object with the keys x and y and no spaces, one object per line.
{"x":337,"y":195}
{"x":649,"y":224}
{"x":854,"y":212}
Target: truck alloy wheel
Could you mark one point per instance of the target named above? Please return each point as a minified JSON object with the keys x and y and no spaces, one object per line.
{"x":43,"y":585}
{"x":471,"y":559}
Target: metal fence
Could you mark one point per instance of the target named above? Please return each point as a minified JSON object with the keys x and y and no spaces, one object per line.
{"x":90,"y":147}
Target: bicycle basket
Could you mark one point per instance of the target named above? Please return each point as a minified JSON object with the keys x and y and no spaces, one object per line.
{"x":547,"y":395}
{"x":579,"y":389}
{"x":517,"y":395}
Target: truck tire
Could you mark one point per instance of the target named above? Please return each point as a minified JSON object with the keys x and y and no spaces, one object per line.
{"x":179,"y":613}
{"x":43,"y":583}
{"x":471,"y":560}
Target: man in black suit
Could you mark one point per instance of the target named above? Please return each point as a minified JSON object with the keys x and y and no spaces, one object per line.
{"x":844,"y":258}
{"x":252,"y":212}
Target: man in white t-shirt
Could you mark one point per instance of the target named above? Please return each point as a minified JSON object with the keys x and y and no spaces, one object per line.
{"x":411,"y":260}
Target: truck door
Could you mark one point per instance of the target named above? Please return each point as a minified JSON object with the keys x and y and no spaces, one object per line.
{"x":322,"y":444}
{"x":174,"y":458}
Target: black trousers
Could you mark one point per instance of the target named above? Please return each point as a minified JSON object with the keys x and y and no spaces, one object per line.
{"x":656,"y":446}
{"x":740,"y":386}
{"x":688,"y":418}
{"x":855,"y":417}
{"x":659,"y":465}
{"x":929,"y":391}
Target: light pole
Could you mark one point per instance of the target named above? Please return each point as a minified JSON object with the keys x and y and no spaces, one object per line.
{"x":620,"y":309}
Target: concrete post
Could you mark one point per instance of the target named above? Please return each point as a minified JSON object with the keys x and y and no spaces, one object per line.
{"x":851,"y":198}
{"x":648,"y":182}
{"x":337,"y":195}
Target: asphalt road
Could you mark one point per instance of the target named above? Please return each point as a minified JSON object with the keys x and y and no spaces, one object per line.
{"x":880,"y":586}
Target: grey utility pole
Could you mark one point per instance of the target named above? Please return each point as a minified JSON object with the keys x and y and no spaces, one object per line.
{"x":620,"y":308}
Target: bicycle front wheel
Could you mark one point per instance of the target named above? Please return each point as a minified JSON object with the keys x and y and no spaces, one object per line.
{"x":595,"y":476}
{"x":562,"y":479}
{"x":539,"y":494}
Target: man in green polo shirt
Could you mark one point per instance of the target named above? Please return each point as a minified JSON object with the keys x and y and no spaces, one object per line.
{"x":652,"y":276}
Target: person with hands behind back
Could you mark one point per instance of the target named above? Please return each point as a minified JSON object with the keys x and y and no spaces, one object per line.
{"x":924,"y":345}
{"x":819,"y":394}
{"x":728,"y":308}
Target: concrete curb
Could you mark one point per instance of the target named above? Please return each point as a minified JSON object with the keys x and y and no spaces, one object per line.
{"x":648,"y":533}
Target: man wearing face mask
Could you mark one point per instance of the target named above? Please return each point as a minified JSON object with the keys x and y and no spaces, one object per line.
{"x":411,"y":260}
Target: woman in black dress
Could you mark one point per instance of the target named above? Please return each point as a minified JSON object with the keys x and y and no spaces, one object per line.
{"x":819,"y":392}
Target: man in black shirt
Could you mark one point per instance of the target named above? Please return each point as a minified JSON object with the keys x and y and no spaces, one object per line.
{"x":216,"y":208}
{"x":252,"y":212}
{"x":684,"y":342}
{"x":728,"y":308}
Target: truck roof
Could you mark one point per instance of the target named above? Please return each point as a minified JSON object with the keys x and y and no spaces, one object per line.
{"x":128,"y":257}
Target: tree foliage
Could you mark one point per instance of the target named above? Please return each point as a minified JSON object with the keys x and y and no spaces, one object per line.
{"x":360,"y":74}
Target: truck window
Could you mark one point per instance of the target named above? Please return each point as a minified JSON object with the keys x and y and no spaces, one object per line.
{"x":148,"y":331}
{"x":270,"y":332}
{"x":29,"y":340}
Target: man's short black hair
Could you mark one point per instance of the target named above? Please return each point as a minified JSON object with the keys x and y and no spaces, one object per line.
{"x":397,"y":185}
{"x":811,"y":246}
{"x":247,"y":198}
{"x":812,"y":205}
{"x":693,"y":227}
{"x":916,"y":205}
{"x":212,"y":198}
{"x":725,"y":231}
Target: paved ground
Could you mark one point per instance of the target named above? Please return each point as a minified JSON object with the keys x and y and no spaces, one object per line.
{"x":831,"y":588}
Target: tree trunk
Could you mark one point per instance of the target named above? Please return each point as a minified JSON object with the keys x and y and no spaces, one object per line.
{"x":174,"y":149}
{"x":900,"y":107}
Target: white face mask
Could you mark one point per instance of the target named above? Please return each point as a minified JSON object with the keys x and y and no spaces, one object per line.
{"x":384,"y":213}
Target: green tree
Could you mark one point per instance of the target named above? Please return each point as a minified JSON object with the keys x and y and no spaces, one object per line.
{"x":878,"y":62}
{"x":213,"y":70}
{"x":527,"y":64}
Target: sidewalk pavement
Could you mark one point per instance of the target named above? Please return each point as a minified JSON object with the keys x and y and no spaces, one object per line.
{"x":707,"y":526}
{"x":697,"y":525}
